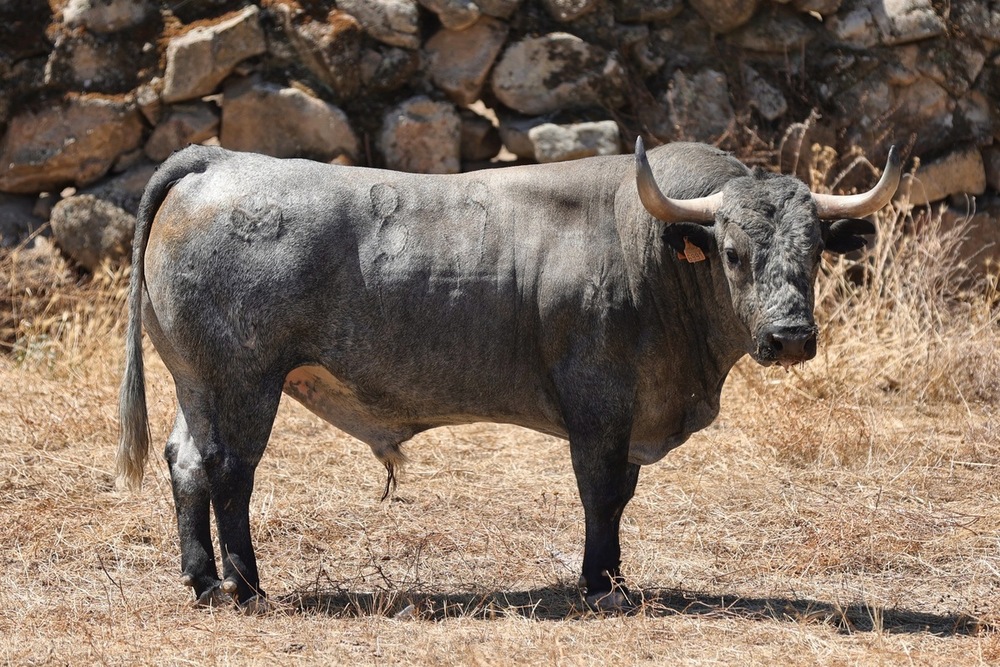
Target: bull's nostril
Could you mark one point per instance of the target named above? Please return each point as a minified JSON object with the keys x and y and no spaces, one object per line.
{"x":791,"y":344}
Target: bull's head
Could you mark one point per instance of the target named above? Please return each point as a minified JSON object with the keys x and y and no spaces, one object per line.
{"x":768,"y":232}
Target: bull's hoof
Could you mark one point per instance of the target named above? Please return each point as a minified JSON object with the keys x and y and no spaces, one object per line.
{"x":614,"y":601}
{"x":214,"y":597}
{"x":213,"y":593}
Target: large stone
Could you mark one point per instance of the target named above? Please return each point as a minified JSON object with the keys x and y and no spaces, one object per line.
{"x":80,"y":60}
{"x":923,"y":110}
{"x":958,"y":172}
{"x":74,"y":143}
{"x":557,"y":71}
{"x":422,"y":136}
{"x":459,"y":61}
{"x":284,"y":122}
{"x":91,"y":230}
{"x":899,"y":66}
{"x":105,"y":15}
{"x":185,"y":124}
{"x":700,"y":108}
{"x":902,"y":21}
{"x":330,"y":49}
{"x":855,"y":28}
{"x":763,"y":96}
{"x":973,"y":118}
{"x":393,"y":22}
{"x":388,"y":68}
{"x":569,"y":10}
{"x":952,"y":64}
{"x":556,"y":143}
{"x":123,"y":190}
{"x":725,"y":15}
{"x":453,"y":14}
{"x":201,"y":58}
{"x":97,"y":223}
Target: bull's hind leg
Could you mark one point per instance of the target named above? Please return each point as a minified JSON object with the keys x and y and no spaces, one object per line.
{"x":227,"y":431}
{"x":192,"y":501}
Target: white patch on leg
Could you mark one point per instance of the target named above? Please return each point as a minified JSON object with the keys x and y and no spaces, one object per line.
{"x":188,"y":472}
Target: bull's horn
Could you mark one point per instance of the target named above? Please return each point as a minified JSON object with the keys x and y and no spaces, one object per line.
{"x":666,"y":209}
{"x":863,"y":203}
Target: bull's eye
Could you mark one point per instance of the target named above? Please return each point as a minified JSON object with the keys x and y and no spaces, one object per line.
{"x":732,"y":257}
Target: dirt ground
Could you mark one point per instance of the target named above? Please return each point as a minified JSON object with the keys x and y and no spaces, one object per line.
{"x":845,"y":512}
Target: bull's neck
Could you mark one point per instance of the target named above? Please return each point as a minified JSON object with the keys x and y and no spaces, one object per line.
{"x":694,"y":312}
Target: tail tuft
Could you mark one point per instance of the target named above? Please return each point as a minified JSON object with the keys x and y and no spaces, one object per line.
{"x":133,"y":440}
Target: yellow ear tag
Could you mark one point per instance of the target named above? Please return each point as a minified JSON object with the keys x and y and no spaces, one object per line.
{"x":692,"y":253}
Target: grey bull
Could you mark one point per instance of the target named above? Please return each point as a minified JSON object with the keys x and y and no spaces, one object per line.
{"x":580,"y":299}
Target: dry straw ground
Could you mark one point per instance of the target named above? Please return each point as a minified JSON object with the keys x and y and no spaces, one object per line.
{"x":845,"y":512}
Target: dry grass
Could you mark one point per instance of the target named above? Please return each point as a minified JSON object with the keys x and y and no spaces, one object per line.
{"x":845,"y":512}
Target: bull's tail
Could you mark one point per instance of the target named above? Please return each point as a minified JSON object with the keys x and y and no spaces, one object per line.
{"x":133,"y":442}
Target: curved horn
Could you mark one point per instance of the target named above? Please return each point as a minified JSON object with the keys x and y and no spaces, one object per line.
{"x":666,"y":209}
{"x":863,"y":203}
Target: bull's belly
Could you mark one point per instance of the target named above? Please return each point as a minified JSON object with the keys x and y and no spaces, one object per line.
{"x":384,"y":425}
{"x":335,"y":402}
{"x":332,"y":400}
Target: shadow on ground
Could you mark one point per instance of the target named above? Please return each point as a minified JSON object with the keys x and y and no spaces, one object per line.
{"x":558,"y":603}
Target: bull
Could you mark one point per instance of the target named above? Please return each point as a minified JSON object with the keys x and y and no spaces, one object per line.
{"x":603,"y":301}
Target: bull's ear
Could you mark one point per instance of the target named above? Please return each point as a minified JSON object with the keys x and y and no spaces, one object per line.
{"x":702,"y":236}
{"x":843,"y":236}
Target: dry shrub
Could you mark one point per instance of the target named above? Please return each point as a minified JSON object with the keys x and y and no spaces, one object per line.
{"x":907,"y":317}
{"x":804,"y":432}
{"x":50,"y":313}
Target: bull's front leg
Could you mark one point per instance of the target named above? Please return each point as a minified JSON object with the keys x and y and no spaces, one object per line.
{"x":606,"y":481}
{"x":599,"y":433}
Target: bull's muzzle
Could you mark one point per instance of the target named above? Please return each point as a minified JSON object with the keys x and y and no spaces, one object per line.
{"x":787,"y":345}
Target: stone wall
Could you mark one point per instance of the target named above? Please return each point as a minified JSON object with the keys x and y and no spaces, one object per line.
{"x":93,"y":93}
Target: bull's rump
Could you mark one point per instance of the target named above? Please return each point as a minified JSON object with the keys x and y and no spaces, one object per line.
{"x":420,"y":299}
